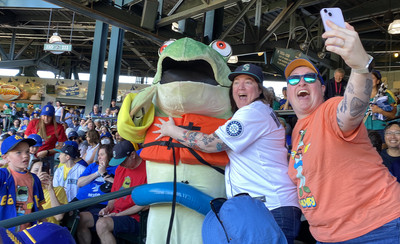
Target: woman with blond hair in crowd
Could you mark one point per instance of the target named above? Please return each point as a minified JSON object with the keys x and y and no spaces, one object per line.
{"x":51,"y":133}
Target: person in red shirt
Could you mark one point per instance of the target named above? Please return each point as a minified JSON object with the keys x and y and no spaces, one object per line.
{"x":120,"y":215}
{"x":50,"y":131}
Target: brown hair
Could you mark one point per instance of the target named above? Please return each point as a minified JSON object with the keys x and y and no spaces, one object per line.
{"x":41,"y":128}
{"x":266,"y":97}
{"x":94,"y":136}
{"x":108,"y":149}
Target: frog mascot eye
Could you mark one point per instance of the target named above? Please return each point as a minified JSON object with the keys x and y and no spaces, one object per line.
{"x":164,"y":45}
{"x":222,"y":47}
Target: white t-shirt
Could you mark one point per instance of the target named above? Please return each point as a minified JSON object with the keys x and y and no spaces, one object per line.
{"x":58,"y":111}
{"x":89,"y":152}
{"x":258,"y":156}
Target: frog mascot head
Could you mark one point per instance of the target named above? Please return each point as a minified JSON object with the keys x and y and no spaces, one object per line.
{"x":192,"y":86}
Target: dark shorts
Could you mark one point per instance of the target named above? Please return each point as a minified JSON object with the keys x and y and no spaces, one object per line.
{"x":125,"y":224}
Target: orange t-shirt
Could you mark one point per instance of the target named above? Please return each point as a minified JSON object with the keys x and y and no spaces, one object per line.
{"x":24,"y":194}
{"x":344,"y":189}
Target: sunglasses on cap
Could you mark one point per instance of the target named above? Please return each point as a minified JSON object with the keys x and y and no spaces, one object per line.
{"x":295,"y":79}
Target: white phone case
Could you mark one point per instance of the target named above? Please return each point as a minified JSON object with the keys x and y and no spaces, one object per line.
{"x":333,"y":14}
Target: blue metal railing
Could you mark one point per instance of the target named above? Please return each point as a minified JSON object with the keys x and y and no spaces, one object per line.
{"x":64,"y":208}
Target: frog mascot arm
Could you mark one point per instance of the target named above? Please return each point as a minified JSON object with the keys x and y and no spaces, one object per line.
{"x":192,"y":86}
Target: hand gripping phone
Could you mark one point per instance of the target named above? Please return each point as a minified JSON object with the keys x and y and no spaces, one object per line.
{"x":333,"y":14}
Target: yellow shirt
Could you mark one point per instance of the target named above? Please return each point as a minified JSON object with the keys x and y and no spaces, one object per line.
{"x":62,"y":198}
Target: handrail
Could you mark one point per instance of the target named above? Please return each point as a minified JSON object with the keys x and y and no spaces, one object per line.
{"x":64,"y":208}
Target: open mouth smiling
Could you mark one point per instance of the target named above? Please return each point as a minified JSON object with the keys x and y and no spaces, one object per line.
{"x":303,"y":93}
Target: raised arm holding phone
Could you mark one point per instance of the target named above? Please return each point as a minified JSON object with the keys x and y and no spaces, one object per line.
{"x":346,"y":193}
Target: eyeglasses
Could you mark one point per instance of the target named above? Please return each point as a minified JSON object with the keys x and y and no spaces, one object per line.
{"x":389,"y":133}
{"x":295,"y":79}
{"x":216,"y":205}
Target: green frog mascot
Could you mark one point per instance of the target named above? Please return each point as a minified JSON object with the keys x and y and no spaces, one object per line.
{"x":192,"y":86}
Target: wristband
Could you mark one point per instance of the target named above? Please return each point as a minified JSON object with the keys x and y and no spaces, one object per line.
{"x":48,"y":152}
{"x":98,"y":174}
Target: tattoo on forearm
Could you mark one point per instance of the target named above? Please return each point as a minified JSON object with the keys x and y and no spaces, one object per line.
{"x":368,"y":87}
{"x":340,"y":123}
{"x":350,"y":88}
{"x":357,"y":106}
{"x":343,"y":108}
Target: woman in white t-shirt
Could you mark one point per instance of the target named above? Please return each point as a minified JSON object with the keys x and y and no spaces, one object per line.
{"x":93,"y":139}
{"x":59,"y":112}
{"x":254,"y":140}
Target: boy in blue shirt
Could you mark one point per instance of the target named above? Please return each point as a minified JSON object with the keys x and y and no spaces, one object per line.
{"x":20,"y":191}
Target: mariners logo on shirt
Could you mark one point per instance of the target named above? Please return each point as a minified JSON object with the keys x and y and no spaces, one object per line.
{"x":234,"y":128}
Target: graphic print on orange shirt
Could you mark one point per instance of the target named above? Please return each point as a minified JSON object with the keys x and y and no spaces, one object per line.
{"x":306,"y":199}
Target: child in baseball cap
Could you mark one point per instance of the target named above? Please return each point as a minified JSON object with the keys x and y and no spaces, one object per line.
{"x":35,"y":148}
{"x":15,"y":150}
{"x":69,"y":171}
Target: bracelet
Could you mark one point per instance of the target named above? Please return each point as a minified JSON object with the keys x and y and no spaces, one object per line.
{"x":98,"y":174}
{"x":48,"y":152}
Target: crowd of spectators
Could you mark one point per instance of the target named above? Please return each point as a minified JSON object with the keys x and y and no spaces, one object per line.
{"x":69,"y":153}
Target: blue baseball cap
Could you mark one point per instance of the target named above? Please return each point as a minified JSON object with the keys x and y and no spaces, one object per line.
{"x":302,"y":62}
{"x":73,"y":134}
{"x":48,"y":110}
{"x":69,"y":150}
{"x":248,"y":69}
{"x":107,"y":134}
{"x":246,"y":220}
{"x":72,"y":143}
{"x":37,"y":138}
{"x":43,"y":233}
{"x":12,"y":141}
{"x":120,"y":152}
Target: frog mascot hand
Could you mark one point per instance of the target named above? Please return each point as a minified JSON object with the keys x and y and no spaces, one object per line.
{"x":192,"y":86}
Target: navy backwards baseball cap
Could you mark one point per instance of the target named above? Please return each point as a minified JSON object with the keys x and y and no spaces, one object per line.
{"x":73,"y":134}
{"x":43,"y":233}
{"x":72,"y":143}
{"x":107,"y":134}
{"x":48,"y":110}
{"x":120,"y":152}
{"x":245,"y":220}
{"x":69,"y":150}
{"x":37,"y":138}
{"x":248,"y":69}
{"x":12,"y":141}
{"x":302,"y":62}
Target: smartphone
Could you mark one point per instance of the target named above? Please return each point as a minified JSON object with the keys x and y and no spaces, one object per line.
{"x":333,"y":14}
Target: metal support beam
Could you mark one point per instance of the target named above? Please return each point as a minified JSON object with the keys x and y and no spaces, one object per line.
{"x":4,"y":55}
{"x":241,"y":15}
{"x":97,"y":65}
{"x":135,"y":51}
{"x":10,"y":64}
{"x":213,"y":25}
{"x":12,"y":45}
{"x":22,"y":50}
{"x":110,"y":15}
{"x":114,"y":66}
{"x":199,"y":9}
{"x":281,"y":18}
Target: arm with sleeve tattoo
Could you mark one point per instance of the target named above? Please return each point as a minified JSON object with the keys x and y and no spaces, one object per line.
{"x":346,"y":43}
{"x":351,"y":109}
{"x":193,"y":139}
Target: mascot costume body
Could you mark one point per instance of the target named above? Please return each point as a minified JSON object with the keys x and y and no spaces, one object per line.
{"x":192,"y":86}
